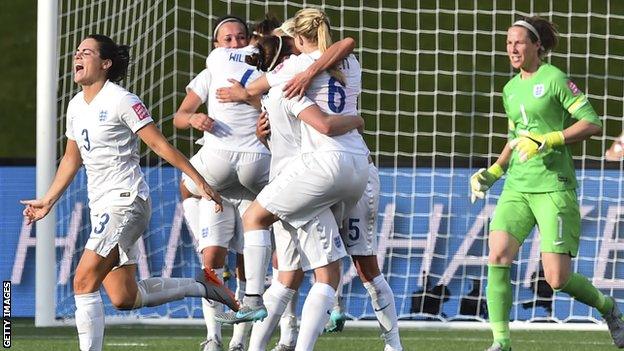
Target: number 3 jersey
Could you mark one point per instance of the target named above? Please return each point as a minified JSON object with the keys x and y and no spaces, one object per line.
{"x":545,"y":102}
{"x":235,"y":122}
{"x":105,"y":131}
{"x":331,"y":96}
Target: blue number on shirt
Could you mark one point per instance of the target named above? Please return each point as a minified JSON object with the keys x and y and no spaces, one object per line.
{"x":354,"y":228}
{"x":87,"y":143}
{"x":335,"y":87}
{"x":104,"y":218}
{"x":246,"y":76}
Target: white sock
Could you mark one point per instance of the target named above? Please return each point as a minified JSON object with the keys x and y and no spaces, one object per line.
{"x":210,"y":308}
{"x":257,"y":254}
{"x":288,"y":323}
{"x":382,"y":299}
{"x":315,"y":314}
{"x":90,"y":321}
{"x":276,"y":298}
{"x":191,"y":215}
{"x":240,"y":331}
{"x":157,"y":290}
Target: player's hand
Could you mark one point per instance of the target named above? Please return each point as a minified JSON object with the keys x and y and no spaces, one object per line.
{"x":209,"y":193}
{"x":35,"y":209}
{"x":263,"y":129}
{"x":482,"y":180}
{"x":529,"y":144}
{"x":234,"y":93}
{"x":201,"y":121}
{"x":298,"y":85}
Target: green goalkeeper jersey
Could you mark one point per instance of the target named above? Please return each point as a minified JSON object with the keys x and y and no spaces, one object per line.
{"x":548,"y":101}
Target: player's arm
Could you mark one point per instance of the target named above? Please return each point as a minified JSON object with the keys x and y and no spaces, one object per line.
{"x":159,"y":144}
{"x":249,"y":94}
{"x":263,"y":129}
{"x":187,"y":116}
{"x":483,"y":179}
{"x":329,"y":124}
{"x":70,"y":164}
{"x":580,"y":131}
{"x":298,"y":85}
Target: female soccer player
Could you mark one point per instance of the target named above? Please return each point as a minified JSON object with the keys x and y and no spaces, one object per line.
{"x":546,"y":112}
{"x":103,"y":122}
{"x":231,"y":160}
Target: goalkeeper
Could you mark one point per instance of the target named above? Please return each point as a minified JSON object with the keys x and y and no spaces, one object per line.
{"x":546,"y":112}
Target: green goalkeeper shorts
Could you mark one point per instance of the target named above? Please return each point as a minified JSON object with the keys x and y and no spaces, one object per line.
{"x":555,"y":213}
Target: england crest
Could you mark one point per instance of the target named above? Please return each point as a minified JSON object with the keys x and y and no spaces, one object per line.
{"x":538,"y":90}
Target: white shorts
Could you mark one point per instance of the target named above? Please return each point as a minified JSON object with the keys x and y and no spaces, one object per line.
{"x":226,"y":171}
{"x":314,"y":245}
{"x":359,"y":229}
{"x":122,"y":226}
{"x":314,"y":182}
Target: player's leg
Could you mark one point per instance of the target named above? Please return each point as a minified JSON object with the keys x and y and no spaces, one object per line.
{"x":337,"y":318}
{"x":283,"y":288}
{"x":512,"y":222}
{"x":559,"y":221}
{"x":321,"y":249}
{"x":190,"y":204}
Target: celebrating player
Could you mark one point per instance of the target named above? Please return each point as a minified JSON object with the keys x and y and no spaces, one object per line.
{"x":546,"y":112}
{"x":232,"y":160}
{"x":103,"y":122}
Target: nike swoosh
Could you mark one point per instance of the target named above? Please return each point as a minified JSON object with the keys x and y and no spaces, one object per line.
{"x":381,"y":309}
{"x":558,"y":243}
{"x":347,"y":245}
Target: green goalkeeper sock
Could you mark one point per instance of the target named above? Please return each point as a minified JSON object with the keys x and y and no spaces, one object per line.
{"x":581,"y":289}
{"x":499,"y":302}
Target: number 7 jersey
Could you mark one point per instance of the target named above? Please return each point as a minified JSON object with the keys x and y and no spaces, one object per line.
{"x":105,"y":131}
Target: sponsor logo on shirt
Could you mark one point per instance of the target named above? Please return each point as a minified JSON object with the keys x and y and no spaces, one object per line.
{"x":573,"y":88}
{"x":103,"y":114}
{"x":141,"y":111}
{"x":277,"y":68}
{"x":538,"y":90}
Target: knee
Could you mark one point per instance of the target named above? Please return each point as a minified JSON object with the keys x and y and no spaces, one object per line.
{"x":83,"y":284}
{"x":500,"y":257}
{"x":122,"y":302}
{"x":556,"y":280}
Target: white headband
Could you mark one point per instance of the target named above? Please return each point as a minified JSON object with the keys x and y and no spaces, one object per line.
{"x":529,"y":26}
{"x":229,"y":19}
{"x":279,"y":49}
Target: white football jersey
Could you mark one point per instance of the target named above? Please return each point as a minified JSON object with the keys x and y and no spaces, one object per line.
{"x":331,"y":97}
{"x":105,"y":131}
{"x":235,"y":122}
{"x":285,"y":139}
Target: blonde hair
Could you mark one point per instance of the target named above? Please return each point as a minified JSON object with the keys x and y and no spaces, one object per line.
{"x":313,"y":24}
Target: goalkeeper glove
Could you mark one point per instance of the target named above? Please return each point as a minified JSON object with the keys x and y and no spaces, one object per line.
{"x":529,"y":144}
{"x":483,"y":179}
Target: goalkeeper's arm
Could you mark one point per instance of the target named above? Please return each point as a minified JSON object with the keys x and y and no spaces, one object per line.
{"x":483,"y":179}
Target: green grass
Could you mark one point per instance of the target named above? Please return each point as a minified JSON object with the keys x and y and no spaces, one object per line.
{"x":156,"y":338}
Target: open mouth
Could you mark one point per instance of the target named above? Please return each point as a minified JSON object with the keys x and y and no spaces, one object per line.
{"x":78,"y":68}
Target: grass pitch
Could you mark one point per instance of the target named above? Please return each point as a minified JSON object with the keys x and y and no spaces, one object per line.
{"x":157,"y":338}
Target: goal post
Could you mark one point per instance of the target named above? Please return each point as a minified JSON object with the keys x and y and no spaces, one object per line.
{"x":432,"y":79}
{"x":45,"y":275}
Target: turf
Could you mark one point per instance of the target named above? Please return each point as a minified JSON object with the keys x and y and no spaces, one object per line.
{"x":156,"y":338}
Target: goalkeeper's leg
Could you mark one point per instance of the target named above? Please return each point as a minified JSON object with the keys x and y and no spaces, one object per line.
{"x":503,"y":248}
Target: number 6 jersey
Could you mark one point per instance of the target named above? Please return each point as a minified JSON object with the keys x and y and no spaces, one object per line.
{"x":105,"y":131}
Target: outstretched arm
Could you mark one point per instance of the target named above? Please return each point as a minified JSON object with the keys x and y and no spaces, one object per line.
{"x":298,"y":85}
{"x":157,"y":142}
{"x":70,"y":164}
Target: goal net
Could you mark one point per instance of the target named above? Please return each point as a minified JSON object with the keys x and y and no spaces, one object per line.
{"x":433,"y":72}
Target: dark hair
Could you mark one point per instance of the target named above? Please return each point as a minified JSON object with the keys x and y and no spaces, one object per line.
{"x":549,"y":36}
{"x":225,"y":19}
{"x":268,"y":47}
{"x":266,"y":26}
{"x":118,"y":54}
